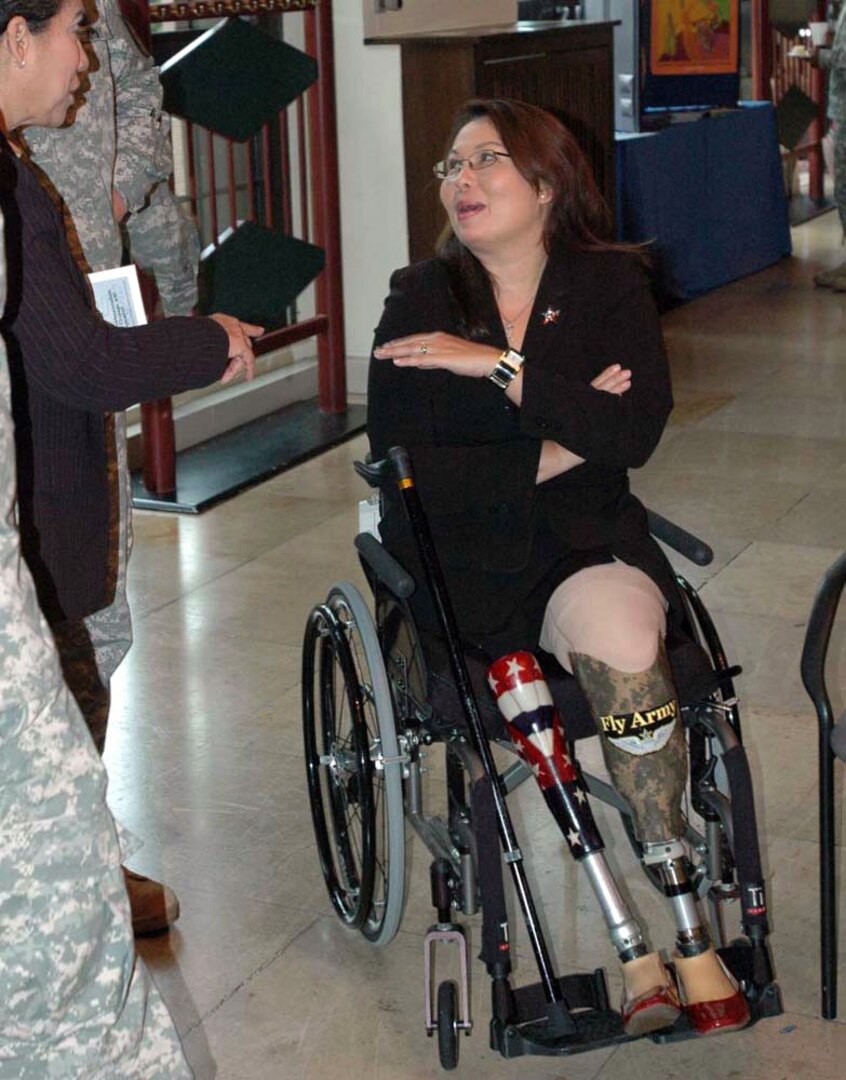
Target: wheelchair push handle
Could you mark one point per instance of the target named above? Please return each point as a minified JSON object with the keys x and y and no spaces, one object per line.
{"x":396,"y":465}
{"x":680,"y":540}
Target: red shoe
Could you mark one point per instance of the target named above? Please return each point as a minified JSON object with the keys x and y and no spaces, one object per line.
{"x":656,"y":1009}
{"x":727,"y":1014}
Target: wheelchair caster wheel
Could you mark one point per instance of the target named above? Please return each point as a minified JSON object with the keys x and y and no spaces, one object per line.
{"x":448,"y":1025}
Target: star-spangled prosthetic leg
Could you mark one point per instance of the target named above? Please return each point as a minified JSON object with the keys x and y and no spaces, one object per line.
{"x":650,"y":1000}
{"x":639,"y":721}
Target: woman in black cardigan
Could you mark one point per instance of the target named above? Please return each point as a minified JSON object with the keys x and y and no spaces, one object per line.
{"x":70,"y":369}
{"x":524,"y":370}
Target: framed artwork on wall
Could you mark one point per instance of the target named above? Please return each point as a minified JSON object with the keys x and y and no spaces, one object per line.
{"x":694,"y":37}
{"x":690,"y":53}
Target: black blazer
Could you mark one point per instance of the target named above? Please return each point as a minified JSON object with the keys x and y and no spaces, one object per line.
{"x":506,"y":542}
{"x":68,"y":369}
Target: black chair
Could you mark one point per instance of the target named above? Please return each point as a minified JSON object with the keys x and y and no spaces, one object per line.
{"x":832,"y":743}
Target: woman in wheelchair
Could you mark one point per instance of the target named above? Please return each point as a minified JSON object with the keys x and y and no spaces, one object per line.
{"x":524,"y":370}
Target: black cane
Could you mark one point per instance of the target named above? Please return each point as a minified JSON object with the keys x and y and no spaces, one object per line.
{"x":513,"y":856}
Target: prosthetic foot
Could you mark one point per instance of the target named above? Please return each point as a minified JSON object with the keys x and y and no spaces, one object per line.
{"x":712,"y":998}
{"x":713,"y":1001}
{"x":645,"y":750}
{"x":650,"y":1000}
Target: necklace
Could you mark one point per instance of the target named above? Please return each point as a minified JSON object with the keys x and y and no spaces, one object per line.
{"x":509,"y":324}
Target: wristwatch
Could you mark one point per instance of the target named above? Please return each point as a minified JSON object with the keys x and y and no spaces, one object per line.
{"x":507,"y":368}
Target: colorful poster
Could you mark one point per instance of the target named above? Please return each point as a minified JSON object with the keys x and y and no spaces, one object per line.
{"x":694,"y":37}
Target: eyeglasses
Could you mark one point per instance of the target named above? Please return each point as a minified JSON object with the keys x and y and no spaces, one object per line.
{"x":450,"y":168}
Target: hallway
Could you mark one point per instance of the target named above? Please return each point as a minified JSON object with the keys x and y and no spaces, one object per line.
{"x":205,"y":759}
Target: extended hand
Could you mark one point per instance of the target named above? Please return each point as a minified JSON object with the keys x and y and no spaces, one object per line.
{"x":241,"y":356}
{"x":440,"y":350}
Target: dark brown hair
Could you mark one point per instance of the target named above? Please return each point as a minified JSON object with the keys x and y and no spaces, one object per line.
{"x":37,"y":13}
{"x":546,"y":154}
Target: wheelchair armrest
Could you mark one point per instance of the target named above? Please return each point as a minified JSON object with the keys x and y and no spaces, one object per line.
{"x":679,"y":539}
{"x":397,"y":465}
{"x":385,"y":566}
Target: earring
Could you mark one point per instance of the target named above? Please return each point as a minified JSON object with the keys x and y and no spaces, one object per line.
{"x":21,"y":63}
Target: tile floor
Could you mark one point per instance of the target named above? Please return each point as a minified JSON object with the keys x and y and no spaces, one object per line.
{"x":205,"y":750}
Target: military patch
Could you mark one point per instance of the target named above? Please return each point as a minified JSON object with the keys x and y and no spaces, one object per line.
{"x":643,"y":732}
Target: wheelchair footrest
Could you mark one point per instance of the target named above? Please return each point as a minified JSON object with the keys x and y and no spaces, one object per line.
{"x":530,"y":1030}
{"x":764,"y":1000}
{"x":580,"y":991}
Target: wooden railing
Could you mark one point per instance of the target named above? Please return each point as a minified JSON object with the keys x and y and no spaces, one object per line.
{"x":290,"y":173}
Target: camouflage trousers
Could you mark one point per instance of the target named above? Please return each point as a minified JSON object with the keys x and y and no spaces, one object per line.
{"x":840,"y":171}
{"x":74,"y":1000}
{"x":91,"y":649}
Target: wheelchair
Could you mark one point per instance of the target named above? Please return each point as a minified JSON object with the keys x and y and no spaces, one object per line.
{"x":374,"y":702}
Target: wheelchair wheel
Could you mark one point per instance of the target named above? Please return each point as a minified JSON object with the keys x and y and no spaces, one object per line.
{"x":353,"y":768}
{"x":448,"y":1025}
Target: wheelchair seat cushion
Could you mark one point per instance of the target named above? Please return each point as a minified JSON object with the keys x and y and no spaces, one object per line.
{"x":694,"y":676}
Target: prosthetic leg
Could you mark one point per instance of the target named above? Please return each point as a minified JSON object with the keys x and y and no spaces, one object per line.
{"x":645,"y":750}
{"x":650,"y":1001}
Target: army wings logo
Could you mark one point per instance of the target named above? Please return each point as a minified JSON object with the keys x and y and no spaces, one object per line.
{"x":642,"y":732}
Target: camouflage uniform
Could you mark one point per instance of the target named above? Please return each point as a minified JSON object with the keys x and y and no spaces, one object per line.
{"x":75,"y":1001}
{"x":119,"y":139}
{"x":834,"y":61}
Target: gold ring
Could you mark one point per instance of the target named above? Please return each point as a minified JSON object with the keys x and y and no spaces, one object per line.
{"x":423,"y":347}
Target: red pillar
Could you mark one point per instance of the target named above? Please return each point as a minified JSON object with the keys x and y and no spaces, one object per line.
{"x":761,"y":50}
{"x":326,"y":200}
{"x":816,"y":165}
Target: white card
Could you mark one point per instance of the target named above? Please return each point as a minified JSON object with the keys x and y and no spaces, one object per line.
{"x":117,"y":295}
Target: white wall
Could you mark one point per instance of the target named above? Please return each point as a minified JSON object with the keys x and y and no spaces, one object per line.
{"x":374,"y":226}
{"x":416,"y":15}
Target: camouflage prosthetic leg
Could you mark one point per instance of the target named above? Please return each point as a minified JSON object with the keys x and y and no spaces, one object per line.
{"x":650,"y":1002}
{"x":643,"y":742}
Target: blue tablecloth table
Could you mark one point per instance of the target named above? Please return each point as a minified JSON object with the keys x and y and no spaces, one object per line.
{"x":709,"y":193}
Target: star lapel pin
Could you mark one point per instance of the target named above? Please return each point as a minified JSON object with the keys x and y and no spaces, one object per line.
{"x":550,"y":316}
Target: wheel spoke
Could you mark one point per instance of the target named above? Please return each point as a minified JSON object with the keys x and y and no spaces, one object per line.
{"x":356,"y":798}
